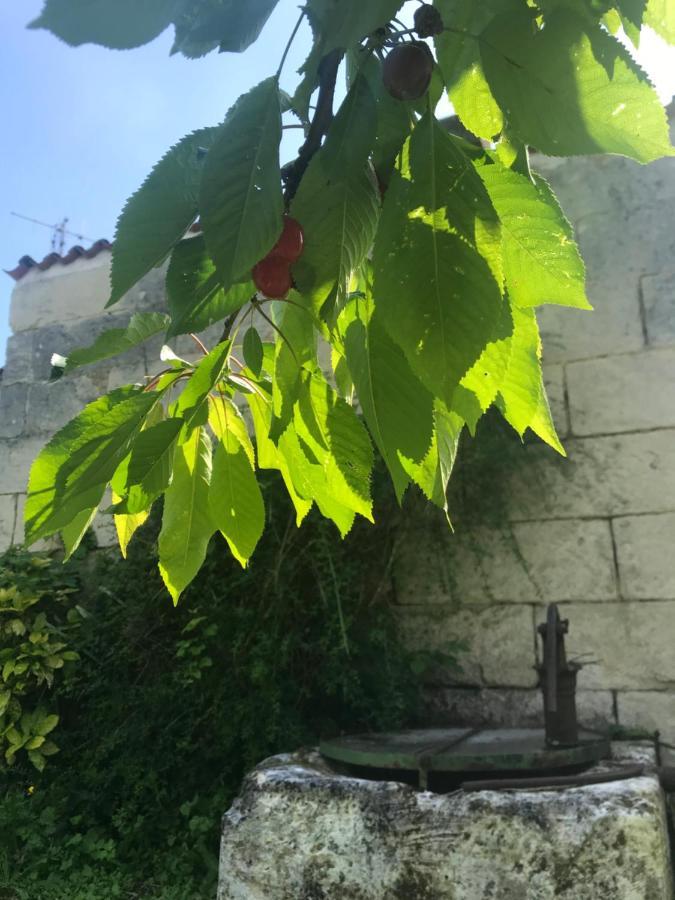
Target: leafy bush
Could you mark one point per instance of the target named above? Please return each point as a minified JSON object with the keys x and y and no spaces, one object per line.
{"x":37,"y":618}
{"x":168,"y":707}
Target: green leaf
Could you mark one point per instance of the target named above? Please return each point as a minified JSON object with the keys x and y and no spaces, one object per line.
{"x":332,"y":433}
{"x":571,"y":88}
{"x":147,"y":472}
{"x":460,"y":61}
{"x":195,"y":295}
{"x":397,"y":408}
{"x":241,"y":203}
{"x":191,"y":405}
{"x":71,"y":472}
{"x":269,"y":457}
{"x":522,"y":398}
{"x":126,"y":526}
{"x":452,"y":193}
{"x":120,"y":25}
{"x":235,"y":501}
{"x":434,"y":293}
{"x":118,"y":340}
{"x":295,"y":350}
{"x":37,"y":759}
{"x":345,"y":22}
{"x":253,"y":351}
{"x":225,"y":419}
{"x":660,"y":15}
{"x":46,"y":725}
{"x":340,"y":227}
{"x":187,"y":526}
{"x":157,"y":216}
{"x":433,"y":473}
{"x":227,"y":24}
{"x":542,"y":263}
{"x":75,"y":530}
{"x":310,"y":481}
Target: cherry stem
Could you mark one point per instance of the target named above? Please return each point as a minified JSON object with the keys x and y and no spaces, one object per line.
{"x":199,"y":344}
{"x":290,"y":42}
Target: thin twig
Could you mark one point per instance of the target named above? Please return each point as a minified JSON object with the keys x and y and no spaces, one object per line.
{"x":199,"y":344}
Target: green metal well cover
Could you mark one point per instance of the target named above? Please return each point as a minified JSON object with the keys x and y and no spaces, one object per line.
{"x":457,"y":750}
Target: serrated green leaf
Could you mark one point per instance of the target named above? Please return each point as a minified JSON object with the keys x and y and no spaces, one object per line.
{"x":397,"y":408}
{"x":127,"y":524}
{"x":118,"y":340}
{"x":225,"y":24}
{"x":187,"y":526}
{"x":433,"y":473}
{"x":522,"y":397}
{"x":333,"y":435}
{"x":37,"y":759}
{"x":660,"y":15}
{"x":147,"y":472}
{"x":235,"y":500}
{"x":451,"y":193}
{"x":195,"y":295}
{"x":460,"y":61}
{"x":542,"y":263}
{"x":71,"y":472}
{"x":120,"y":25}
{"x":295,"y":349}
{"x":252,"y":349}
{"x":74,"y":531}
{"x":339,"y":230}
{"x":269,"y":456}
{"x":226,"y":420}
{"x":241,"y":202}
{"x":191,"y":405}
{"x":571,"y":88}
{"x":157,"y":216}
{"x":434,"y":293}
{"x":479,"y":387}
{"x":310,"y":481}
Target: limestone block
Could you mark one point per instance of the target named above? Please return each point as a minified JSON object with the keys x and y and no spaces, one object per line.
{"x":525,"y":562}
{"x":16,"y":458}
{"x":513,"y":708}
{"x":644,"y":546}
{"x":300,"y":831}
{"x":603,"y":476}
{"x":13,"y":399}
{"x":127,"y":369}
{"x":651,"y":710}
{"x":630,"y":392}
{"x":51,"y":405}
{"x":18,"y":359}
{"x":7,"y":518}
{"x":554,"y":382}
{"x":494,"y":645}
{"x":628,"y":646}
{"x":658,"y":296}
{"x":65,"y":337}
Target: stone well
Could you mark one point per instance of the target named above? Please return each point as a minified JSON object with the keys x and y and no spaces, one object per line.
{"x":302,"y":831}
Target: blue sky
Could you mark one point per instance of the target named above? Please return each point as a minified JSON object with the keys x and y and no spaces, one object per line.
{"x":83,"y":127}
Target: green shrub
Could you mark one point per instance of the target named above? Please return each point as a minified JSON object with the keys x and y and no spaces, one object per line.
{"x":168,"y":707}
{"x":38,"y":619}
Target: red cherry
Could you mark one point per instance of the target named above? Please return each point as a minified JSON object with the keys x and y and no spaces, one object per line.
{"x":272,"y":277}
{"x":290,"y":244}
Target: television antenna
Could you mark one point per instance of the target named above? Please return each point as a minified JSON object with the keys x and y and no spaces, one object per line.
{"x":59,"y":232}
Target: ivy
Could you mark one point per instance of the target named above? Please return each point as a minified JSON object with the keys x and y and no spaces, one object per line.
{"x":376,"y":293}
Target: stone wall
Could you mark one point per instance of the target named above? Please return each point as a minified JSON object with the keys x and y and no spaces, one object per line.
{"x":595,"y":532}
